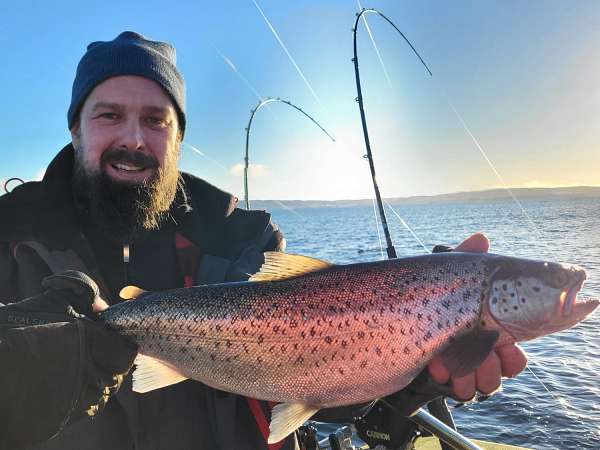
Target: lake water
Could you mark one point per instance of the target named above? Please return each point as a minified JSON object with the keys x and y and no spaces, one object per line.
{"x":567,"y":363}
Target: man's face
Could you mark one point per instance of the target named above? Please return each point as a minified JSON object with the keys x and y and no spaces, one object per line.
{"x":126,"y":153}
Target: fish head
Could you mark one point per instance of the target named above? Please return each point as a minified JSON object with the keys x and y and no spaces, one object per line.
{"x":530,"y":298}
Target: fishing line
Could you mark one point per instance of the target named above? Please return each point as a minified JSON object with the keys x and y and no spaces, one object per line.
{"x":204,"y":155}
{"x":407,"y":226}
{"x":239,"y":74}
{"x":377,"y":228}
{"x":385,"y":72}
{"x":312,"y":91}
{"x":534,"y":226}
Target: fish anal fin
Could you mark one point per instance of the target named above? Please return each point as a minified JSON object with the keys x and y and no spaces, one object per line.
{"x":467,"y":352}
{"x":287,"y":418}
{"x":151,"y":374}
{"x":281,"y":266}
{"x":131,"y":292}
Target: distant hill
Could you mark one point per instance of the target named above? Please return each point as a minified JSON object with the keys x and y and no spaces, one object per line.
{"x":457,"y":197}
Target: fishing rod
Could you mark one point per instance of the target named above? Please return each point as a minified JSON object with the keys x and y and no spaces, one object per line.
{"x":391,"y":251}
{"x":438,"y":407}
{"x":262,"y":103}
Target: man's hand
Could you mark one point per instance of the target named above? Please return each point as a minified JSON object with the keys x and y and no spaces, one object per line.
{"x":505,"y":361}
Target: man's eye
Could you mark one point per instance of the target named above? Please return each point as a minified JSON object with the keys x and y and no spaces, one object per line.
{"x":109,"y":116}
{"x":158,"y":122}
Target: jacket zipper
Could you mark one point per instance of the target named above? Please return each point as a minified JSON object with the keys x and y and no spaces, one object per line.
{"x":126,"y":262}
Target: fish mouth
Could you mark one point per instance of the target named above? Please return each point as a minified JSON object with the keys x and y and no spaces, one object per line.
{"x":577,"y":306}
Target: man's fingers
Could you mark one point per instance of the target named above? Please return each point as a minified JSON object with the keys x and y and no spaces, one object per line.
{"x":477,"y":243}
{"x":488,"y":375}
{"x":438,"y":371}
{"x":99,"y":305}
{"x":464,"y":387}
{"x":512,"y":358}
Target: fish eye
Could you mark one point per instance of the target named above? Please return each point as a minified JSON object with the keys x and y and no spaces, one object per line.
{"x":561,"y":277}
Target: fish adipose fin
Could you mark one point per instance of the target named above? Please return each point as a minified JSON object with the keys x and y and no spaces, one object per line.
{"x":287,"y":418}
{"x":281,"y":266}
{"x":467,"y":353}
{"x":151,"y":374}
{"x":131,"y":292}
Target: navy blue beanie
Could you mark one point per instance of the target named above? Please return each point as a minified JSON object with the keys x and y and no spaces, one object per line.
{"x":128,"y":54}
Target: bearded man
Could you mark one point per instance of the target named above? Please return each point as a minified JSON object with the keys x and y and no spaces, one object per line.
{"x":114,"y":205}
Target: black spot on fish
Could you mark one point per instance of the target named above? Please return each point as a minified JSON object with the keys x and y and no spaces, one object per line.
{"x":483,"y":323}
{"x":328,"y":339}
{"x":271,"y":348}
{"x":363,"y":364}
{"x":312,"y":331}
{"x":505,"y":310}
{"x":536,"y":289}
{"x":213,"y":356}
{"x":440,"y":325}
{"x":283,"y":349}
{"x":523,"y":300}
{"x":261,"y":338}
{"x":425,"y":302}
{"x":419,"y":316}
{"x":299,"y":359}
{"x":494,"y":300}
{"x":313,"y":350}
{"x":515,"y":307}
{"x":406,"y":350}
{"x":411,"y":330}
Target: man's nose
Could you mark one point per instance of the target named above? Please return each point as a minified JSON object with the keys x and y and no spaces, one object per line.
{"x":132,"y":135}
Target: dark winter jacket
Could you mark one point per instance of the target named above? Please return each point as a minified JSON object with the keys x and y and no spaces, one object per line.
{"x":41,"y":233}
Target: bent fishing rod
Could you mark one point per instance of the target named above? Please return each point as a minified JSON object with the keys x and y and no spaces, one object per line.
{"x":262,"y":103}
{"x":445,"y":432}
{"x":391,"y":251}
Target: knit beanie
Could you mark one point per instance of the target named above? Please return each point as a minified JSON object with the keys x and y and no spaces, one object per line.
{"x":128,"y":54}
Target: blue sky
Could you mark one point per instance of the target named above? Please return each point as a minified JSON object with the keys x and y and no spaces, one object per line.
{"x":524,"y":76}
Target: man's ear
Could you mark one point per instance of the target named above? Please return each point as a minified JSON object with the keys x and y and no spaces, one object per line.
{"x":76,"y":135}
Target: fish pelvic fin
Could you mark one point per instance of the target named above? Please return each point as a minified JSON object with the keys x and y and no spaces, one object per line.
{"x":287,"y":418}
{"x":151,"y":374}
{"x":281,"y":266}
{"x":467,"y":352}
{"x":131,"y":292}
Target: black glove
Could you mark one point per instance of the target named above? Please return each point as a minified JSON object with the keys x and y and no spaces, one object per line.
{"x":57,"y":365}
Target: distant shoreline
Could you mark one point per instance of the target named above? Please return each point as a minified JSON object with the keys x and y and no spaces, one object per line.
{"x":456,"y":197}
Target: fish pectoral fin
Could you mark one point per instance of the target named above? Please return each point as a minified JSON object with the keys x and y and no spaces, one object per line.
{"x":281,"y":266}
{"x":131,"y":292}
{"x":287,"y":418}
{"x":467,"y":353}
{"x":151,"y":374}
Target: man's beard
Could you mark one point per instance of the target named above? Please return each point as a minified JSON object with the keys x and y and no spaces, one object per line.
{"x":124,"y":211}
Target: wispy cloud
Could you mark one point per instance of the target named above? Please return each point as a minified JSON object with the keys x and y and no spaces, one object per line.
{"x":254,"y":170}
{"x":293,"y":61}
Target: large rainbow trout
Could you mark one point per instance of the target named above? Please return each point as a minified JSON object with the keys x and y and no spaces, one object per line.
{"x":312,"y":335}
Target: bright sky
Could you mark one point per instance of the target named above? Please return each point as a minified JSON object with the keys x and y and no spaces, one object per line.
{"x":523,"y":75}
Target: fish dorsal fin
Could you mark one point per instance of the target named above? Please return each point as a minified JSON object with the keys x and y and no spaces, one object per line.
{"x":287,"y":418}
{"x":467,"y":353}
{"x":151,"y":374}
{"x":131,"y":292}
{"x":281,"y":266}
